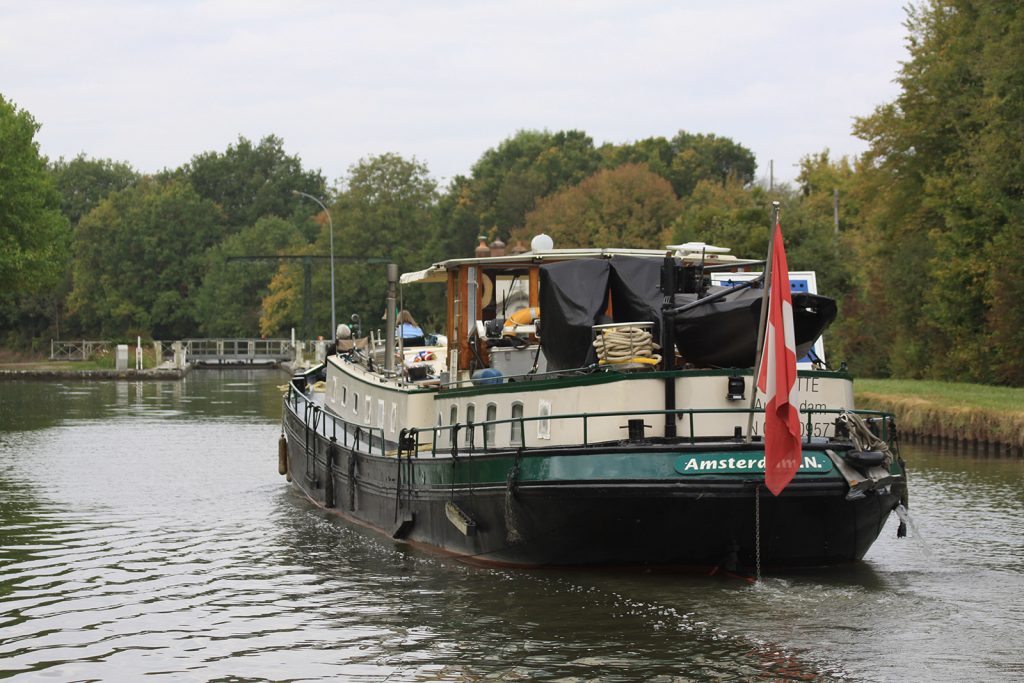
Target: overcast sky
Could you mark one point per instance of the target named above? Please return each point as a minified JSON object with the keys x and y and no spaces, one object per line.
{"x":154,"y":83}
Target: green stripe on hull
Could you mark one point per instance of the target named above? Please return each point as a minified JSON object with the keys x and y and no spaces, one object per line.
{"x":649,"y":466}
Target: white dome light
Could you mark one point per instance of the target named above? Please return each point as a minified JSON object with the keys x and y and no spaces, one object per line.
{"x":542,"y":243}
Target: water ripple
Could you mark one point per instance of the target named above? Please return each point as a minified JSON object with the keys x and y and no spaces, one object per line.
{"x":146,"y":533}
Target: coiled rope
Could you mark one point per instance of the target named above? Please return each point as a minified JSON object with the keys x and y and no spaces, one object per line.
{"x":862,"y":436}
{"x":626,"y":345}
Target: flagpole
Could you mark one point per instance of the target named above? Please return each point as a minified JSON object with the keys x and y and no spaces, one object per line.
{"x":764,"y":319}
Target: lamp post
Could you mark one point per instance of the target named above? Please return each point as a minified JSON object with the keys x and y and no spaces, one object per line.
{"x":330,"y":225}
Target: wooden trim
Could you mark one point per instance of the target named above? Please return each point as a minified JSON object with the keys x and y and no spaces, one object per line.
{"x":460,"y":332}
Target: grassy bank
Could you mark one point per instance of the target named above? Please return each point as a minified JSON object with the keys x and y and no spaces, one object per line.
{"x":950,"y":410}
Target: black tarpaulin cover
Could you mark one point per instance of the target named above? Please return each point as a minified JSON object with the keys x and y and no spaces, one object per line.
{"x":724,"y":333}
{"x":635,"y":285}
{"x":572,"y":296}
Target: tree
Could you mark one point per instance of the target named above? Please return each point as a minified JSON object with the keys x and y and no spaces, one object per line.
{"x":507,"y":181}
{"x":34,"y":236}
{"x":624,"y":207}
{"x":84,"y":182}
{"x":726,"y":214}
{"x":250,"y":181}
{"x":33,"y":233}
{"x":946,"y":175}
{"x":229,"y":301}
{"x":139,"y":256}
{"x":386,"y":210}
{"x":687,"y":159}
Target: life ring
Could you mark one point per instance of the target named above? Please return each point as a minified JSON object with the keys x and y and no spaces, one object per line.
{"x":524,"y":316}
{"x":488,"y":290}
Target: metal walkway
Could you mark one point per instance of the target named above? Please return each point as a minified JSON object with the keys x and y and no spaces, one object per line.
{"x":237,"y":351}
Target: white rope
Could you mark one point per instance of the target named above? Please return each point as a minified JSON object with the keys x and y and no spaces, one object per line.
{"x":862,"y":436}
{"x":626,"y":345}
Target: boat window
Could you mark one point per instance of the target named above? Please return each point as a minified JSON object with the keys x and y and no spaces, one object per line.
{"x":344,"y":395}
{"x":394,"y":417}
{"x":517,"y":427}
{"x":470,"y":419}
{"x":492,"y":414}
{"x":544,"y":425}
{"x":355,"y":403}
{"x":380,"y":413}
{"x":367,"y":407}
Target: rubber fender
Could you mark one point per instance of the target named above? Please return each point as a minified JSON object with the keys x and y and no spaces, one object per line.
{"x":282,"y":456}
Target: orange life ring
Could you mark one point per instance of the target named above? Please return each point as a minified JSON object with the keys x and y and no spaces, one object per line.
{"x":524,"y":316}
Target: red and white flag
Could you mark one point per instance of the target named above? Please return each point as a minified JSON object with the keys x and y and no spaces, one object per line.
{"x":777,"y":379}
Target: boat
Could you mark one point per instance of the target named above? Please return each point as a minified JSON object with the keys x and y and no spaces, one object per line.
{"x":571,"y":415}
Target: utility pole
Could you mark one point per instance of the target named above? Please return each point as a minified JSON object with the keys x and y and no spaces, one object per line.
{"x":330,"y":228}
{"x":835,"y":208}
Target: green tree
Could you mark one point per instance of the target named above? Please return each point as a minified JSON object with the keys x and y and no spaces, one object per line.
{"x":507,"y":181}
{"x":726,"y":214}
{"x":84,"y":182}
{"x":34,"y":236}
{"x":945,"y":173}
{"x":33,"y":233}
{"x":628,"y":206}
{"x":250,"y":181}
{"x":139,"y":256}
{"x":229,"y":301}
{"x":687,"y":159}
{"x":387,"y":210}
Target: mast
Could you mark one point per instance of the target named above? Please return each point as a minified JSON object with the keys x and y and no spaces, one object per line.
{"x":763,"y":321}
{"x":389,"y":326}
{"x":668,"y":343}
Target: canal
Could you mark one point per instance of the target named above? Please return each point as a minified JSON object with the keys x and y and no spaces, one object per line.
{"x":144,"y":531}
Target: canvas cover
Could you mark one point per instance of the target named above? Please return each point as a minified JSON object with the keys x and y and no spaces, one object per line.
{"x":574,"y":296}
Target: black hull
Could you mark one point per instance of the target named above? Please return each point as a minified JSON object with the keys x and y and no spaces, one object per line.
{"x":706,"y":523}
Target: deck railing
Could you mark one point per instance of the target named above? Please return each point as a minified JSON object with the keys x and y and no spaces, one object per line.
{"x":329,"y":425}
{"x":884,"y":422}
{"x":412,"y":441}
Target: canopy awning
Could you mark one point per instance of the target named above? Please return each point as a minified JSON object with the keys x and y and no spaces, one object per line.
{"x":431,"y":274}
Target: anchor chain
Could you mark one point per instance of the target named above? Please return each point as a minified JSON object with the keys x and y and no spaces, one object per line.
{"x":757,"y":532}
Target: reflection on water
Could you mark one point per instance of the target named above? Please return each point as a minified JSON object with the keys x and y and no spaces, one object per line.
{"x":144,"y":530}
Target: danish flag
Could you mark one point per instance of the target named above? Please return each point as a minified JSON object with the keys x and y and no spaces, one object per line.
{"x":777,"y":379}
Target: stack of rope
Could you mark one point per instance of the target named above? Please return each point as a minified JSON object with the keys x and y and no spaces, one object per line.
{"x":626,"y":345}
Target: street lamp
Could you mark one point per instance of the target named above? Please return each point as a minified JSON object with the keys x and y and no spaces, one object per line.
{"x":330,"y":225}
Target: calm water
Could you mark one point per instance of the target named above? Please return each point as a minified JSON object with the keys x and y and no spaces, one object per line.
{"x":144,"y":531}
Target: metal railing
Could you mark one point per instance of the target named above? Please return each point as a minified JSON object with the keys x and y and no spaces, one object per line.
{"x":238,"y":350}
{"x":352,"y":435}
{"x":883,"y":419}
{"x":411,"y":441}
{"x":77,"y":349}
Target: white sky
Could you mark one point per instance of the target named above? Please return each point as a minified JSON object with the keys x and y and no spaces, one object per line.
{"x":155,"y":82}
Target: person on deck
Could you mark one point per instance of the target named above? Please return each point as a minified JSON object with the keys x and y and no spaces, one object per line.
{"x":408,"y":330}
